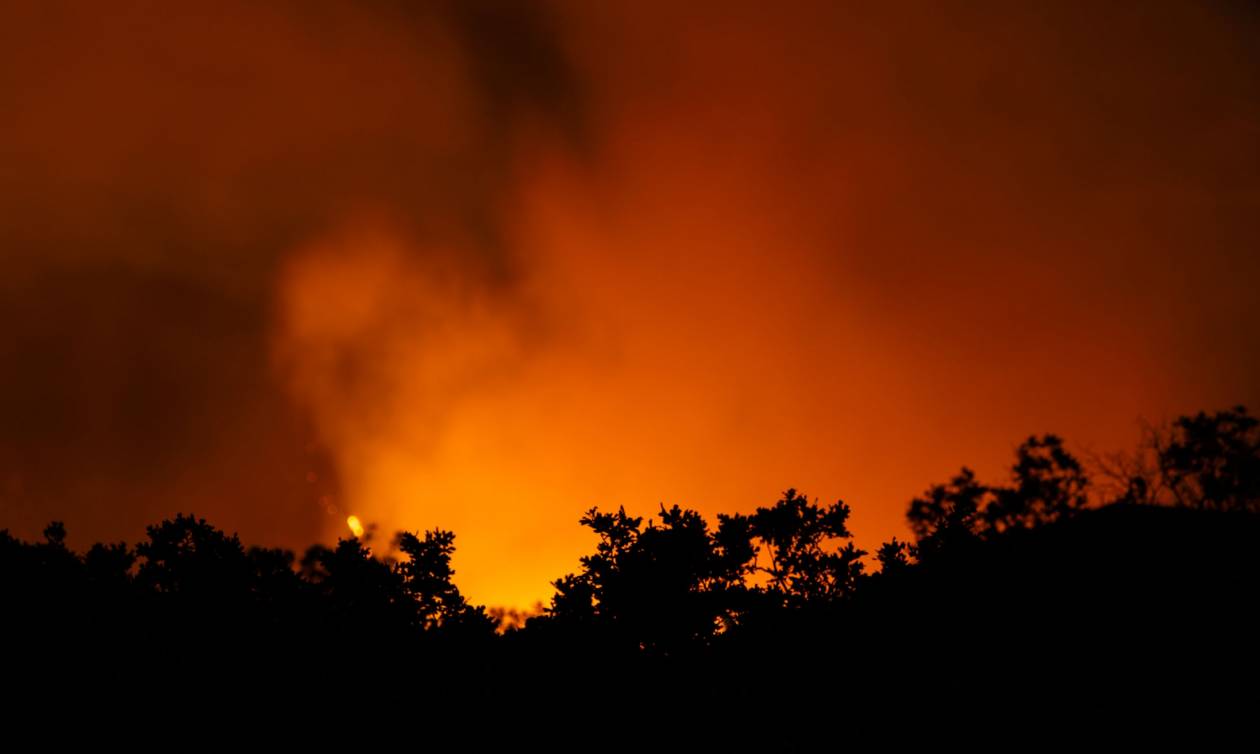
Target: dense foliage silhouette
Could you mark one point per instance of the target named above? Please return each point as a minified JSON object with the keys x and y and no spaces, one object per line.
{"x":1040,"y":580}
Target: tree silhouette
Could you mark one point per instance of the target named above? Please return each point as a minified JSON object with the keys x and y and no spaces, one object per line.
{"x":426,"y":576}
{"x":187,"y":556}
{"x":1212,"y":461}
{"x":676,"y":586}
{"x":663,"y":589}
{"x":1209,"y":461}
{"x":796,"y":535}
{"x":1049,"y":485}
{"x":359,"y":595}
{"x":893,"y":557}
{"x":948,"y":515}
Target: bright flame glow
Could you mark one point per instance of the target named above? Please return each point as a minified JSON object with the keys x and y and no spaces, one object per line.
{"x":355,"y":525}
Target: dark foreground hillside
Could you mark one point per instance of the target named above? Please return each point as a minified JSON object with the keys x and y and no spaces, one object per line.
{"x":1026,"y":590}
{"x":1123,"y":599}
{"x":1123,"y":596}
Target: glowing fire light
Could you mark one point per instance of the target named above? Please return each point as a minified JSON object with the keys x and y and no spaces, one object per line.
{"x":355,"y":525}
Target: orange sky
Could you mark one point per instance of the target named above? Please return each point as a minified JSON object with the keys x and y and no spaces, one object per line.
{"x":485,"y":265}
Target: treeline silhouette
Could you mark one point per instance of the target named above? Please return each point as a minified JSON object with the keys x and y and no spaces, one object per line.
{"x":1146,"y":568}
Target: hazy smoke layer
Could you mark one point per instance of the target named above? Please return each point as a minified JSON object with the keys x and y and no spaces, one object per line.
{"x":483,"y":265}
